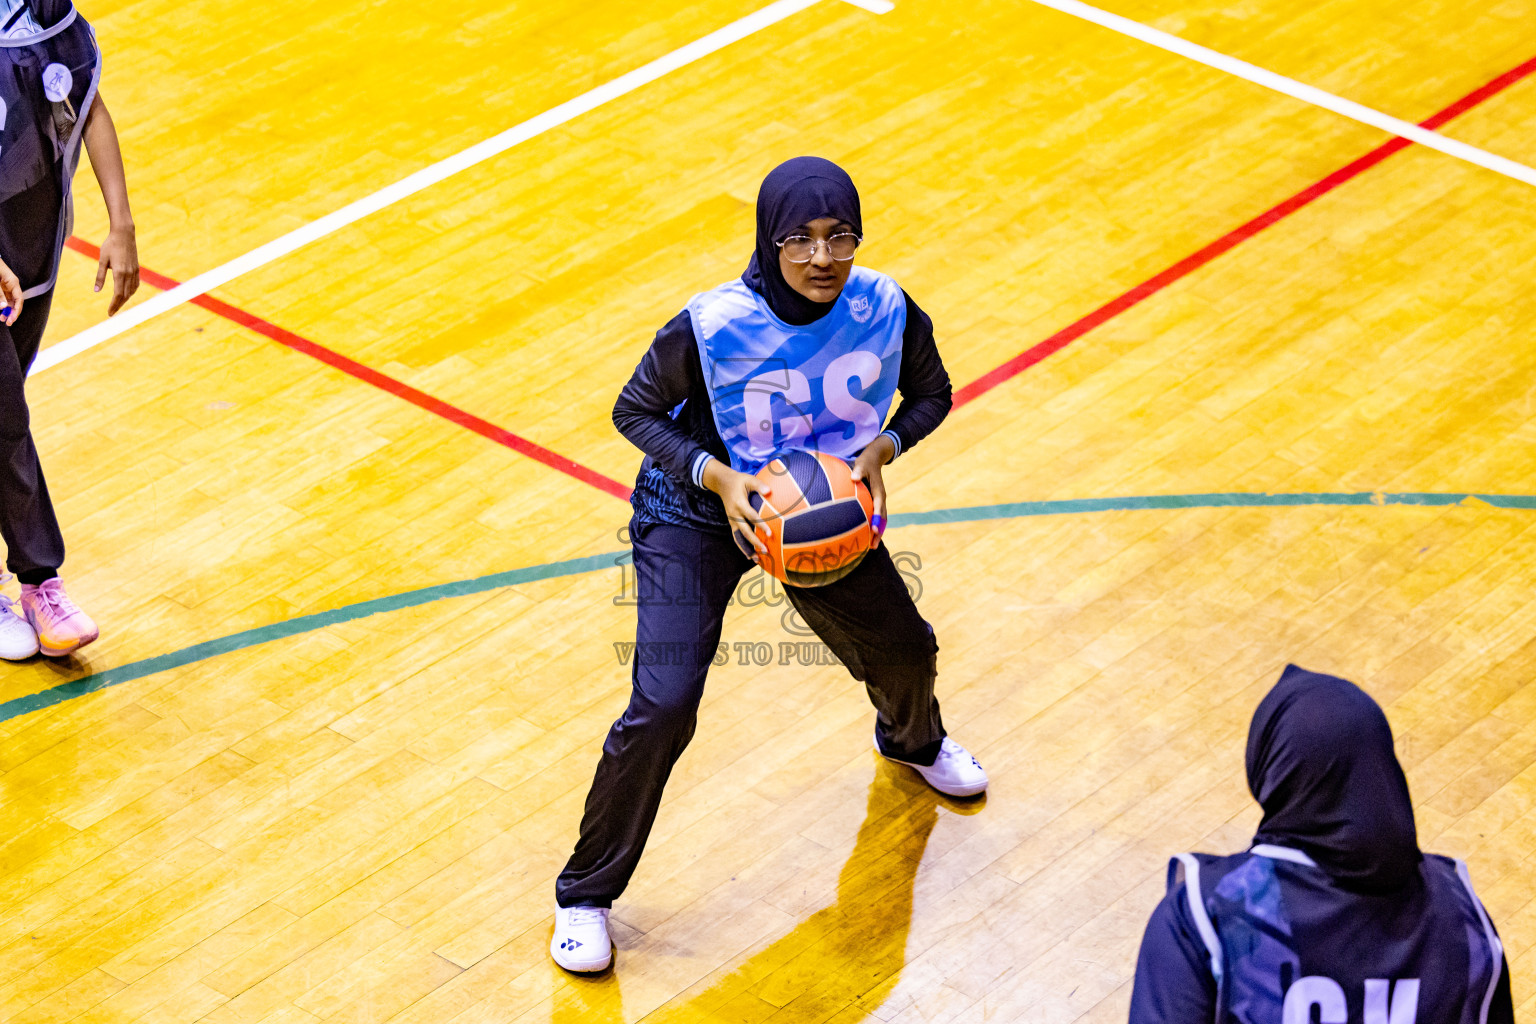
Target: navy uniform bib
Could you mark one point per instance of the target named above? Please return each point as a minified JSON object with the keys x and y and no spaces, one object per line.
{"x":49,"y":69}
{"x":1288,"y":947}
{"x":825,"y":386}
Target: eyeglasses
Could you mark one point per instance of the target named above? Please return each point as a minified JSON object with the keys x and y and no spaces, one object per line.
{"x":802,"y":248}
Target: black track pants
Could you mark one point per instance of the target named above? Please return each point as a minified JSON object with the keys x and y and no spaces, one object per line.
{"x":684,"y":580}
{"x":27,"y":522}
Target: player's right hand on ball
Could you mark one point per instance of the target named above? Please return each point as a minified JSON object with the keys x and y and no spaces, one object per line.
{"x":735,"y":490}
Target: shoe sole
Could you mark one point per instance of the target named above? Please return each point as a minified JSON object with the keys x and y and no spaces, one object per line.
{"x":966,"y":791}
{"x":963,"y":791}
{"x":19,"y":657}
{"x":62,"y":652}
{"x":581,"y":966}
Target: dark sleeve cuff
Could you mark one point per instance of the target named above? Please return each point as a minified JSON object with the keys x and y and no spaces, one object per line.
{"x":701,"y":461}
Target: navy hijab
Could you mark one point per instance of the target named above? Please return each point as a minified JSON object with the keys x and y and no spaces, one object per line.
{"x":794,"y":193}
{"x":1322,"y":765}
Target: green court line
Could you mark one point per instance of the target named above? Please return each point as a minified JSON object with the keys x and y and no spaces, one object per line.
{"x":303,"y":624}
{"x":1231,"y":500}
{"x":592,"y":563}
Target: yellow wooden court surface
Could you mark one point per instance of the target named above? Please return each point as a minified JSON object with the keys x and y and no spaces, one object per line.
{"x":359,"y":817}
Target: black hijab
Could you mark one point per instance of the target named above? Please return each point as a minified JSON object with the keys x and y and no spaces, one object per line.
{"x":1321,"y":764}
{"x":794,"y":193}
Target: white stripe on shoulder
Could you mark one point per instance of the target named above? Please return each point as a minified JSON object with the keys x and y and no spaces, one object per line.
{"x":1495,"y":947}
{"x":19,"y":23}
{"x":1274,"y":852}
{"x":1197,"y":908}
{"x":21,"y":37}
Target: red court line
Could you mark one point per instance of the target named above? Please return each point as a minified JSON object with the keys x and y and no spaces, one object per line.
{"x":975,"y":389}
{"x":1152,"y":285}
{"x":379,"y":380}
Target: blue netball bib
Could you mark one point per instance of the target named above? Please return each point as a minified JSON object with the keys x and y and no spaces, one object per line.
{"x":826,"y":386}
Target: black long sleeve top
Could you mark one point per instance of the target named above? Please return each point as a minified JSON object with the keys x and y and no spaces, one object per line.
{"x":664,"y":411}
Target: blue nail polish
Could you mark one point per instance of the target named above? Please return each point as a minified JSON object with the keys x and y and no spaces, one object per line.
{"x":878,"y":524}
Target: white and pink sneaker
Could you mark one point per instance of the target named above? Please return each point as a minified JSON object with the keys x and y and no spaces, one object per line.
{"x":18,"y":640}
{"x":62,"y":628}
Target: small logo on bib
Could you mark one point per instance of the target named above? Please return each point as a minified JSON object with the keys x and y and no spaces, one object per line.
{"x":57,"y":81}
{"x":860,"y":308}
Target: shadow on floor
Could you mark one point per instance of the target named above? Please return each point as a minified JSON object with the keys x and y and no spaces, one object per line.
{"x":848,"y":955}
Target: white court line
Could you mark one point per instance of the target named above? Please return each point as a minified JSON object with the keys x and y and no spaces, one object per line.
{"x":430,"y":175}
{"x":1296,"y":90}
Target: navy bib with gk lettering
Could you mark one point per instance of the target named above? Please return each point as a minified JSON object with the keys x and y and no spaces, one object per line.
{"x":1287,"y":946}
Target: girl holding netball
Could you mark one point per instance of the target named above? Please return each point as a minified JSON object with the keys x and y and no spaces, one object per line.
{"x":804,"y":351}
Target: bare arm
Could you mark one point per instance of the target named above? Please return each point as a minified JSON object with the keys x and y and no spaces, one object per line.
{"x":120,"y":249}
{"x":868,"y":467}
{"x":10,"y":287}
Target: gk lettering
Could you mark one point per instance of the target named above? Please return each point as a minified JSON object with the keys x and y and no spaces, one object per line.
{"x":1328,"y":996}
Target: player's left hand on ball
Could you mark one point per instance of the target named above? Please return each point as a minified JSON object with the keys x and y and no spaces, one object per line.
{"x":120,"y":254}
{"x":867,"y":467}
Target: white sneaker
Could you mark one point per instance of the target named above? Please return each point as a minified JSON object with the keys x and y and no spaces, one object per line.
{"x":954,"y":772}
{"x":581,"y":941}
{"x":18,"y":640}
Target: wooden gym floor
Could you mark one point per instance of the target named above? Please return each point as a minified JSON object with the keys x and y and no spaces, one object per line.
{"x":267,"y":801}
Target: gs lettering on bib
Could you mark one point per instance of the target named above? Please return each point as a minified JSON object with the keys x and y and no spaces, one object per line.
{"x":825,"y":386}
